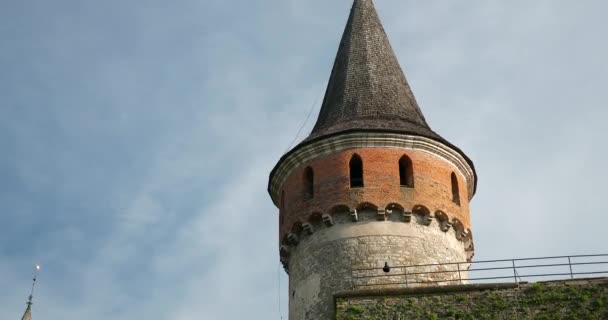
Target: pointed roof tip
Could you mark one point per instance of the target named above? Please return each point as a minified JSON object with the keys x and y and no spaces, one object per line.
{"x":27,"y":315}
{"x":367,"y":89}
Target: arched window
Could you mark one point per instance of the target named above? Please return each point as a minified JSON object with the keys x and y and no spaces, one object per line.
{"x":406,"y":172}
{"x":356,"y":171}
{"x":309,"y":181}
{"x":455,"y":191}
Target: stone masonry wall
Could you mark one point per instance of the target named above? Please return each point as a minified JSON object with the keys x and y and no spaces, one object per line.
{"x":570,"y":299}
{"x":322,"y":264}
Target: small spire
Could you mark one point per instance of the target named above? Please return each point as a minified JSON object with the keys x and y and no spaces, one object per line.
{"x":28,"y":312}
{"x":27,"y":315}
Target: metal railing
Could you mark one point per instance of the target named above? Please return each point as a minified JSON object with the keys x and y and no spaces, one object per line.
{"x":488,"y":271}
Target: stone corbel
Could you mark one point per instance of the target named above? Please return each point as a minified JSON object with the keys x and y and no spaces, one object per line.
{"x":407,"y":216}
{"x":293,"y":239}
{"x":353,"y":214}
{"x":468,"y":236}
{"x":327,"y":220}
{"x":470,"y":247}
{"x":284,"y":251}
{"x":461,"y":235}
{"x":428,"y":219}
{"x":470,"y":255}
{"x":285,"y":263}
{"x":308,"y":228}
{"x":284,"y":260}
{"x":381,"y":215}
{"x":446,"y":225}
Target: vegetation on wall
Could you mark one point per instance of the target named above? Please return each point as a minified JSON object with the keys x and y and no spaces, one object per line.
{"x":537,"y":301}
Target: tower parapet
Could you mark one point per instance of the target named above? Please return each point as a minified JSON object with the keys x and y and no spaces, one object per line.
{"x":372,"y":185}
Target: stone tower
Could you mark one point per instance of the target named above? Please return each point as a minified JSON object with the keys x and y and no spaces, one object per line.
{"x":372,"y":185}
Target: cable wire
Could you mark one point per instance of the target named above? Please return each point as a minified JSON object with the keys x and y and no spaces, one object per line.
{"x":312,"y":107}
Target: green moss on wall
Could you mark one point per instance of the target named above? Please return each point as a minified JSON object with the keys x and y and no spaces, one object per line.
{"x":550,"y":301}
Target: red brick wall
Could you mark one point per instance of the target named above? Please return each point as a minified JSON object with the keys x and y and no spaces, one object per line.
{"x":432,"y":185}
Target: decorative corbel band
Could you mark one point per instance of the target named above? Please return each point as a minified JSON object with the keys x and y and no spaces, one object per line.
{"x":439,"y":219}
{"x":427,"y":219}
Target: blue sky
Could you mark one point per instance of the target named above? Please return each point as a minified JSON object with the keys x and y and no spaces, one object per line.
{"x":137,"y":137}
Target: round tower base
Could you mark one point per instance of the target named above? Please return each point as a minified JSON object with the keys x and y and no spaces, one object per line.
{"x":351,"y":255}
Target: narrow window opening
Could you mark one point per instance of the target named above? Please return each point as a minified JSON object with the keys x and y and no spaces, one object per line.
{"x":356,"y":171}
{"x":309,"y":177}
{"x":455,"y":190}
{"x":406,"y":172}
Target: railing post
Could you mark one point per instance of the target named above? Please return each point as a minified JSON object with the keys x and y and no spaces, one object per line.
{"x":459,"y":277}
{"x":570,"y":265}
{"x":405,"y":272}
{"x":514,"y":271}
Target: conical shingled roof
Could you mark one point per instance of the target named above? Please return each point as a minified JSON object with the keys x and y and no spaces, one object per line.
{"x":367,"y":89}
